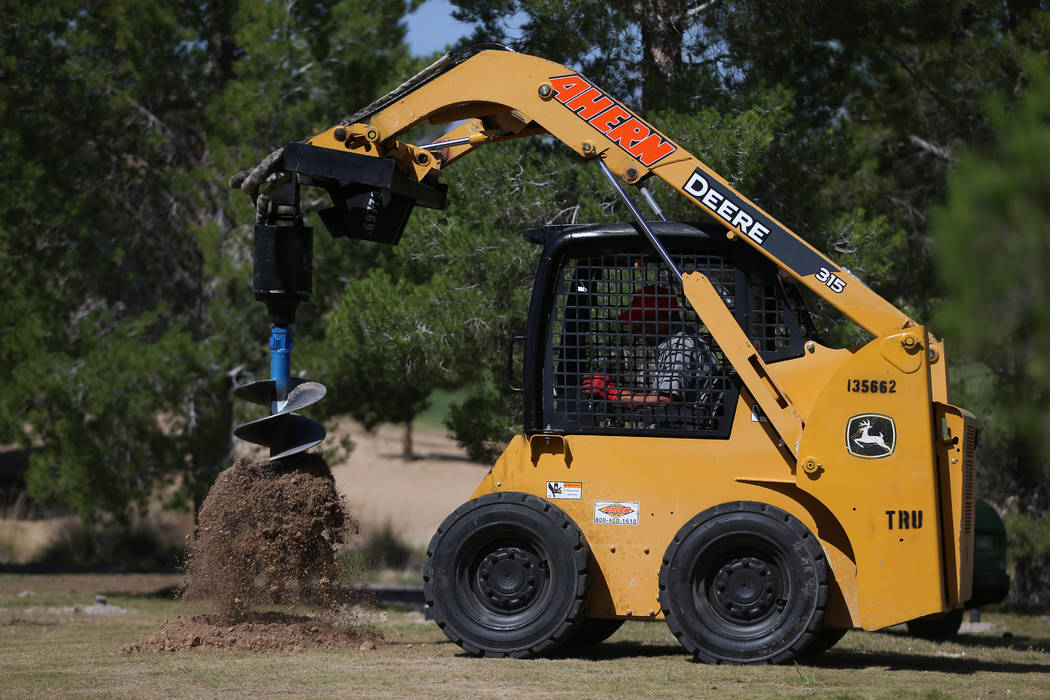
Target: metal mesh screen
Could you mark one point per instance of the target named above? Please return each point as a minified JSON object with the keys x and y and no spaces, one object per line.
{"x":771,"y":319}
{"x":627,"y":354}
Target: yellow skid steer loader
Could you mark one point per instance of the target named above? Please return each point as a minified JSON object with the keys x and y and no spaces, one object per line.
{"x":691,"y":452}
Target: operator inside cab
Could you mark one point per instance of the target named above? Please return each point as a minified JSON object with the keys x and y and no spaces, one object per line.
{"x":677,"y":366}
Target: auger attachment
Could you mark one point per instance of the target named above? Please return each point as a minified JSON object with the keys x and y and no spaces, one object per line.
{"x":283,"y":264}
{"x":371,"y":200}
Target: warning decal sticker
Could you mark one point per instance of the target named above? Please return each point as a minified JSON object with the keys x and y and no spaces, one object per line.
{"x":616,"y":512}
{"x":565,"y":489}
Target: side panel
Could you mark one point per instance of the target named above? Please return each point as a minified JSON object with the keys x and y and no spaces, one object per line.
{"x":869,"y":444}
{"x":630,"y":495}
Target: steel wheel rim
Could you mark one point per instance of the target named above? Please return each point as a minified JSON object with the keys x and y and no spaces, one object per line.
{"x":504,"y":578}
{"x":741,"y":587}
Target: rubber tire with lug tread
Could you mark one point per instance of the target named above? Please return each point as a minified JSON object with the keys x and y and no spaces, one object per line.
{"x":822,"y":641}
{"x":937,"y":627}
{"x":592,"y":631}
{"x":506,"y":575}
{"x":744,"y":583}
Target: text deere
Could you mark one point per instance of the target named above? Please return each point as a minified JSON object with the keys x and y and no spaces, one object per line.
{"x":721,"y":205}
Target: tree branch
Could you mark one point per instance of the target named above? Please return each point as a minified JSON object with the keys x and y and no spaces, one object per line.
{"x":932,"y":148}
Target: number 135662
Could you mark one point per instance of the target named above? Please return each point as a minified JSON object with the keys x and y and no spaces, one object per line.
{"x":871,"y":386}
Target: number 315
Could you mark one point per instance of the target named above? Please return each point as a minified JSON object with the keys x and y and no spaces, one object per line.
{"x":833,"y":281}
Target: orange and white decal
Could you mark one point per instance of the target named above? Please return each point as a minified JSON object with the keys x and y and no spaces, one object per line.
{"x":613,"y":120}
{"x":565,"y":489}
{"x":616,"y":512}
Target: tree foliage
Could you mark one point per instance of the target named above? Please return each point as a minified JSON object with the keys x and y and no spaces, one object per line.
{"x":125,"y":259}
{"x":993,"y":244}
{"x":127,"y":313}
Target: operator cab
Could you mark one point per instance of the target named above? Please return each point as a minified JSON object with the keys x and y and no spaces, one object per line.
{"x":613,"y":346}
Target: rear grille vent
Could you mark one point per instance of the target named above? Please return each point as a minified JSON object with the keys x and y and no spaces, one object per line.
{"x":969,"y":476}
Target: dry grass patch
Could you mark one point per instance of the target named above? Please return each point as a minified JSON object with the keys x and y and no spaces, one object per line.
{"x":77,"y":655}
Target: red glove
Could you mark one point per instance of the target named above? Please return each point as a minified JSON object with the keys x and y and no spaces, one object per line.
{"x":600,"y":385}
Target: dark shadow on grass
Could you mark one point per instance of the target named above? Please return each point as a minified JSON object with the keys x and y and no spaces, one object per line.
{"x":603,"y":652}
{"x":845,"y":658}
{"x":1003,"y":641}
{"x":620,"y":650}
{"x":896,"y":661}
{"x":425,"y":643}
{"x":834,"y":659}
{"x":163,"y":593}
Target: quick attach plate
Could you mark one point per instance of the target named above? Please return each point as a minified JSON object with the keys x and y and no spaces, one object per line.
{"x":372,"y":198}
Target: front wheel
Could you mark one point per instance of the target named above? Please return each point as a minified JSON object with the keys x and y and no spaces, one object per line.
{"x":823,"y":641}
{"x":744,"y":583}
{"x":506,"y":575}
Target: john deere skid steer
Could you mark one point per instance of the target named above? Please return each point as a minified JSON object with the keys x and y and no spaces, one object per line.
{"x":691,"y":452}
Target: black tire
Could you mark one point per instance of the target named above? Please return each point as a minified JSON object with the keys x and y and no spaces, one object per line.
{"x":744,"y":583}
{"x":937,"y":627}
{"x":822,"y":641}
{"x":506,"y":575}
{"x":592,"y":631}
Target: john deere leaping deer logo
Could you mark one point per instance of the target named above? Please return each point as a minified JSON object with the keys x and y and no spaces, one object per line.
{"x":871,"y":435}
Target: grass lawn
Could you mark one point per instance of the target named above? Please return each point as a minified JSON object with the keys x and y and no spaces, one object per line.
{"x":48,"y":651}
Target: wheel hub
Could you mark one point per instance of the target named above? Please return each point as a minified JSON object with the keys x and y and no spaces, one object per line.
{"x":745,"y":588}
{"x":509,"y":578}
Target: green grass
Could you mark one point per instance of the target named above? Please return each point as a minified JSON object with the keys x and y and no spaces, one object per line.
{"x":70,"y":655}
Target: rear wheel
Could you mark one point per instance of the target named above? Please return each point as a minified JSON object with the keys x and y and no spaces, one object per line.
{"x":506,"y":575}
{"x":592,"y":631}
{"x":744,"y":582}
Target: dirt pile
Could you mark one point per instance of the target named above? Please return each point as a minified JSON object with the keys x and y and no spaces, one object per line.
{"x":267,"y":535}
{"x":258,"y":631}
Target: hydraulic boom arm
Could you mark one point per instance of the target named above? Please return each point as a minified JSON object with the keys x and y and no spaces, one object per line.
{"x":505,"y":95}
{"x":495,"y":95}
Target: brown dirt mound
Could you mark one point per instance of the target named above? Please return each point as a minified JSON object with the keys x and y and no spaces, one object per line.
{"x":268,"y":535}
{"x":259,"y":631}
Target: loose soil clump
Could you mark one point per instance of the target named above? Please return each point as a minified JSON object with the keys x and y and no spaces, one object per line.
{"x":267,"y":535}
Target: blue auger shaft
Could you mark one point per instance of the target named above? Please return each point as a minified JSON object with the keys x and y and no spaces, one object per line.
{"x":280,"y":363}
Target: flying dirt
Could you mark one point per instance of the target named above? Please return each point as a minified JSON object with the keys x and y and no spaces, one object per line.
{"x":265,"y":555}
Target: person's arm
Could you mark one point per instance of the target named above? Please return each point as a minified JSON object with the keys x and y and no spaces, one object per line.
{"x":641,"y":398}
{"x":602,"y":387}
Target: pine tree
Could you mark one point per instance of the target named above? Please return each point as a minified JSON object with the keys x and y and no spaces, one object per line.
{"x":993,"y":246}
{"x":127,"y":311}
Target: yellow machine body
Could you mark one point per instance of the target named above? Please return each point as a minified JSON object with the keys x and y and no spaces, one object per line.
{"x":895,"y":526}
